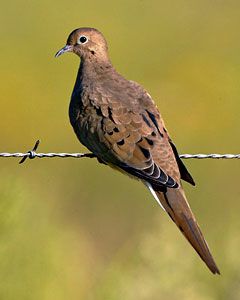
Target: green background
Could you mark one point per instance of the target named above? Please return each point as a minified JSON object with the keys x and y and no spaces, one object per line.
{"x":74,"y":229}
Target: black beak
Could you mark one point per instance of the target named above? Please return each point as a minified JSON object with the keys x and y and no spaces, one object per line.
{"x":67,"y":48}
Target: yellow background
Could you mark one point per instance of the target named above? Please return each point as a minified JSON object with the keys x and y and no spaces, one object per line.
{"x":74,"y":229}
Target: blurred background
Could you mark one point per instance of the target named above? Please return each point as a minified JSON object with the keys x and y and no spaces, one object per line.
{"x":75,"y":229}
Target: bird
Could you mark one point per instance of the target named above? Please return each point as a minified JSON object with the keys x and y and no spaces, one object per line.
{"x":119,"y":122}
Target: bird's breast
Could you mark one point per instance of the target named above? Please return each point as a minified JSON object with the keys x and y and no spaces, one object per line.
{"x":86,"y":121}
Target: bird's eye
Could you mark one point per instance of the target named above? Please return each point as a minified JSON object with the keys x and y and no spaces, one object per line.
{"x":82,"y":40}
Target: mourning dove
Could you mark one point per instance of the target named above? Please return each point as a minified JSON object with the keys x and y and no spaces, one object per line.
{"x":118,"y":121}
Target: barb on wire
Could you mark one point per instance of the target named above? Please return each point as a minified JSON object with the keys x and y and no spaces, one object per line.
{"x":33,"y":154}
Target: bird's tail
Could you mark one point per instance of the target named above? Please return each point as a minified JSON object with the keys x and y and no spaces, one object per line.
{"x":175,"y":203}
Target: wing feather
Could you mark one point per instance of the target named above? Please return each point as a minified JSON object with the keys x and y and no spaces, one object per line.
{"x":129,"y":133}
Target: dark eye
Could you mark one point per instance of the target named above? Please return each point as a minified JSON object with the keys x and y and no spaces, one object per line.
{"x":83,"y":39}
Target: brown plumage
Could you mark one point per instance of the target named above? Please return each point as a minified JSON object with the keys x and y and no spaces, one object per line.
{"x":118,"y":121}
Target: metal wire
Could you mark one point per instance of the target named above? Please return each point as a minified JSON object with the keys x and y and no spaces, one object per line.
{"x":212,"y":155}
{"x":33,"y":154}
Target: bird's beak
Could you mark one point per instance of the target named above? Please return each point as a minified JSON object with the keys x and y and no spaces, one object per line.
{"x":67,"y":48}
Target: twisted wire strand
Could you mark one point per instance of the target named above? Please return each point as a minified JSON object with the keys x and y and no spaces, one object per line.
{"x":33,"y":154}
{"x":211,"y":155}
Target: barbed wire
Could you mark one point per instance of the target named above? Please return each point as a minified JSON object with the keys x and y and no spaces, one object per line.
{"x":33,"y":154}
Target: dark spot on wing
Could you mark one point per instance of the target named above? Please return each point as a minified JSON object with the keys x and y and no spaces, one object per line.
{"x":110,"y":114}
{"x":145,"y":152}
{"x":98,"y":111}
{"x":115,"y":129}
{"x":150,"y":142}
{"x":152,"y":117}
{"x":120,"y":143}
{"x":146,"y":120}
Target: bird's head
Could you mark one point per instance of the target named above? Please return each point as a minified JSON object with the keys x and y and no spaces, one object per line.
{"x":86,"y":43}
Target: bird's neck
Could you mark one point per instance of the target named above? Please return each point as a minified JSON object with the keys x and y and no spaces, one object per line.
{"x":90,"y":69}
{"x":92,"y":72}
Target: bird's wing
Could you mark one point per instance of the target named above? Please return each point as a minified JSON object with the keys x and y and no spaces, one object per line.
{"x":140,"y":143}
{"x":136,"y":141}
{"x":133,"y":138}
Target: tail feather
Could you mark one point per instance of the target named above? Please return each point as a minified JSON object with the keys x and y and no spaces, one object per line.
{"x":175,"y":203}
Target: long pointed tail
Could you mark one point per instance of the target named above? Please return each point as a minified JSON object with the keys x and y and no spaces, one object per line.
{"x":175,"y":203}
